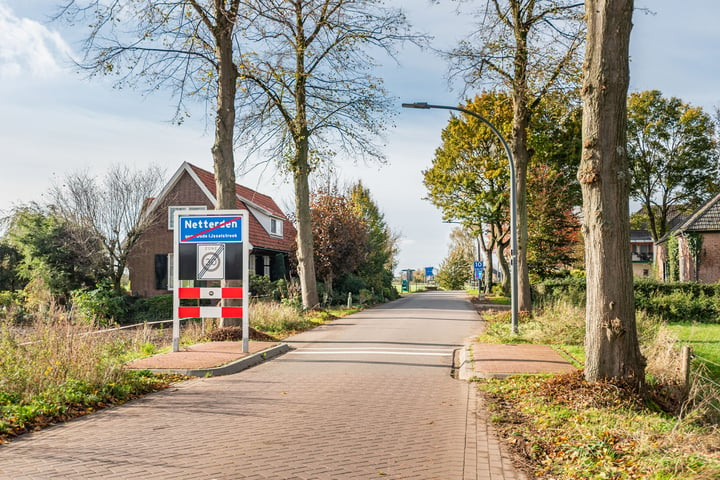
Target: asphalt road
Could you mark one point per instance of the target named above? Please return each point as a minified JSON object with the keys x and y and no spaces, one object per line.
{"x":367,"y":396}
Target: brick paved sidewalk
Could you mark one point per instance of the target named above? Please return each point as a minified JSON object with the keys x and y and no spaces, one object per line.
{"x":487,"y":360}
{"x":211,"y":359}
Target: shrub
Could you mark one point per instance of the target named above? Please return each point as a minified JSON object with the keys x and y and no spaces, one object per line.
{"x":262,"y":287}
{"x":12,"y":306}
{"x":570,"y":290}
{"x":672,"y":302}
{"x":151,"y":309}
{"x":276,"y":318}
{"x":101,"y":306}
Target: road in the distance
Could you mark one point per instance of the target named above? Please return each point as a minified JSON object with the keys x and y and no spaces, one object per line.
{"x":366,"y":396}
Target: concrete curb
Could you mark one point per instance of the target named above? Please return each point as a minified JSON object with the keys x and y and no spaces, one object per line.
{"x":465,"y":366}
{"x":229,"y":368}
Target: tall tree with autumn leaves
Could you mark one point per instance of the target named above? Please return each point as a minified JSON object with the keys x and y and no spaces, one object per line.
{"x":353,"y":239}
{"x":469,"y":180}
{"x":673,"y":156}
{"x":531,"y":49}
{"x":377,"y":270}
{"x":341,"y":238}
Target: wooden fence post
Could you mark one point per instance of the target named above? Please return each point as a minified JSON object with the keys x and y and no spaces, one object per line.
{"x":685,"y":367}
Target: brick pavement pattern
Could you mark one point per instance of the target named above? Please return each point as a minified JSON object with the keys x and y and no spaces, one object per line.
{"x":339,"y":407}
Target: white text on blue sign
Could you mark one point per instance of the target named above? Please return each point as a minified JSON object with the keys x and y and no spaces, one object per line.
{"x":210,"y":229}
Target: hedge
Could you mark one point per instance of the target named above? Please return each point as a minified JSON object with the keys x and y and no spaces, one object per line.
{"x":673,"y":302}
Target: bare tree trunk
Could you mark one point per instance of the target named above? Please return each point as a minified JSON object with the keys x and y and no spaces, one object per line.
{"x":222,"y":149}
{"x":487,"y":256}
{"x":521,"y":156}
{"x":301,"y":172}
{"x":305,"y":255}
{"x":502,"y":260}
{"x":611,"y":342}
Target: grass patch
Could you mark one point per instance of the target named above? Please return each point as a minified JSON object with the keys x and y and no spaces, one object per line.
{"x":704,"y":339}
{"x":563,"y":427}
{"x":498,"y":299}
{"x":561,"y":325}
{"x":54,"y":369}
{"x":278,"y":319}
{"x":281,"y":321}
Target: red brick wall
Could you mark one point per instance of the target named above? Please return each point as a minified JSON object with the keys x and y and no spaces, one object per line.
{"x":709,"y":271}
{"x":710,"y":258}
{"x":158,"y":239}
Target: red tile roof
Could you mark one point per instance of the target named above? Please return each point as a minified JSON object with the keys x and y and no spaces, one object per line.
{"x":259,"y":237}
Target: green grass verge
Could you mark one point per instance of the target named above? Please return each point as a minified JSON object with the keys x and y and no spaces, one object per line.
{"x":704,"y":339}
{"x":563,"y":427}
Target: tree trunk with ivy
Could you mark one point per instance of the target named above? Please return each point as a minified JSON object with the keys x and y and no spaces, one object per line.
{"x":611,"y":342}
{"x":673,"y":259}
{"x":694,"y":242}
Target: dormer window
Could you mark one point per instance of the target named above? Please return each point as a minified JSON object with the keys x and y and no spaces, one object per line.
{"x":275,"y":227}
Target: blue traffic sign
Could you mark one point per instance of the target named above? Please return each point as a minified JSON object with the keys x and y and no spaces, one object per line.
{"x":210,"y":229}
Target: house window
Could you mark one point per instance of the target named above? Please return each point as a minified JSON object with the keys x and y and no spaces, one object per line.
{"x":276,"y":227}
{"x":176,"y":208}
{"x":646,"y":272}
{"x":161,"y":271}
{"x":642,"y":252}
{"x":164,"y":272}
{"x":266,"y":265}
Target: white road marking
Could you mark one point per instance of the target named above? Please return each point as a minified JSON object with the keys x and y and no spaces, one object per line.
{"x":372,"y":351}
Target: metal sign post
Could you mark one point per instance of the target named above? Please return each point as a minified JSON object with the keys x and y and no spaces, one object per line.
{"x":210,"y":245}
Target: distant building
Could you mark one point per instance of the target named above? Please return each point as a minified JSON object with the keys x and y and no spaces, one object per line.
{"x":641,"y":245}
{"x":704,"y":225}
{"x":271,"y":234}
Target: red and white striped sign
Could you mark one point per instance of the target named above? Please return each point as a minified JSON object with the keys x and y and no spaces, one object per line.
{"x":197,"y":293}
{"x":210,"y":312}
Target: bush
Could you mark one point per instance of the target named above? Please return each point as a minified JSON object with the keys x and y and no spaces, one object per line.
{"x":262,"y":287}
{"x":570,"y":290}
{"x":672,"y":302}
{"x":101,"y":306}
{"x":151,"y":309}
{"x":277,"y":318}
{"x":12,"y":306}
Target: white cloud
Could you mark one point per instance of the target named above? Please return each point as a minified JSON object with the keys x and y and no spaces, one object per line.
{"x":28,"y":48}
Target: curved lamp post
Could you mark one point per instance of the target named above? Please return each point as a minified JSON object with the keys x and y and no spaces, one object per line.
{"x":513,"y":213}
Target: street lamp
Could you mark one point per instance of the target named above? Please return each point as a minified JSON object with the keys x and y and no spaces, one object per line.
{"x":513,"y":212}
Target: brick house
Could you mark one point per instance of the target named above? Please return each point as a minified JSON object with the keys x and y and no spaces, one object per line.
{"x":704,"y":267}
{"x":271,"y":234}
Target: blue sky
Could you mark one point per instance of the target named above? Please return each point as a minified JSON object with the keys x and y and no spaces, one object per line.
{"x":53,"y":121}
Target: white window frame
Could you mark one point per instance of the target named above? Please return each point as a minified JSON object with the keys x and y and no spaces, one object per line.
{"x":174,"y":208}
{"x":266,"y":265}
{"x":171,"y":272}
{"x":277,"y":223}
